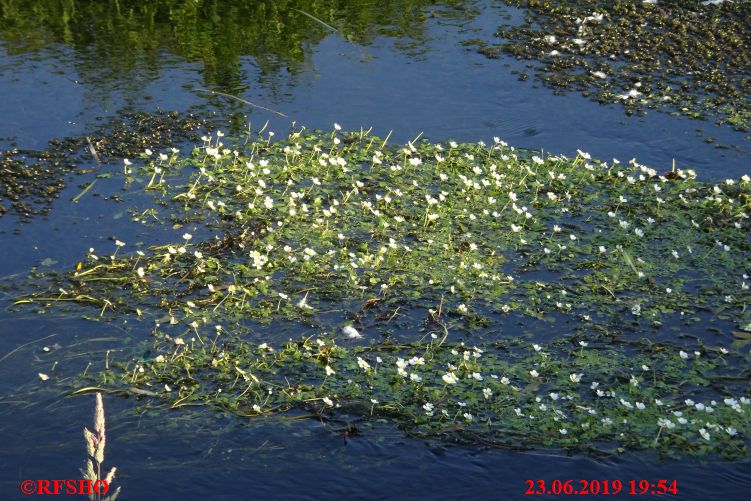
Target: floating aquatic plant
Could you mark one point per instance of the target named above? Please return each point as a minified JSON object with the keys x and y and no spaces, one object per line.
{"x":32,"y":179}
{"x":476,"y":292}
{"x":685,"y":57}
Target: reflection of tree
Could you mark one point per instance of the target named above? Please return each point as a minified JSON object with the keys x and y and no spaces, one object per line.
{"x":121,"y":39}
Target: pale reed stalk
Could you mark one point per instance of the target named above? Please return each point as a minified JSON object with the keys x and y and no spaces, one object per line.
{"x":95,"y":442}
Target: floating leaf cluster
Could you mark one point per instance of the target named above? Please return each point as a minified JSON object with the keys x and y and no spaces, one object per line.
{"x":33,"y":178}
{"x":686,"y":57}
{"x":584,"y":396}
{"x":400,"y":251}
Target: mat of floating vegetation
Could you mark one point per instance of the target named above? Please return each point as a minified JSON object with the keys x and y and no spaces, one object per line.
{"x":423,"y":280}
{"x":32,"y":179}
{"x":687,"y":57}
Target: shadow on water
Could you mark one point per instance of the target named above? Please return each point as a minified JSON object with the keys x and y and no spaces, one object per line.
{"x":390,"y":64}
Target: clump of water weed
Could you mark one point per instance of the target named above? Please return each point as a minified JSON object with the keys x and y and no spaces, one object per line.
{"x":406,"y":253}
{"x":687,"y":57}
{"x":569,"y":393}
{"x":32,"y":179}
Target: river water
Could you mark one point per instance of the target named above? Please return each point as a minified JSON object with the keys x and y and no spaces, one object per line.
{"x":396,"y":65}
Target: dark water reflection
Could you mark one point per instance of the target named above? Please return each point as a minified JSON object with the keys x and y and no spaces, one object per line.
{"x":391,"y":65}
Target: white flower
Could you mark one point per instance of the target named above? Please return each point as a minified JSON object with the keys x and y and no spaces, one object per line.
{"x":140,"y":272}
{"x":43,"y":377}
{"x":563,"y":431}
{"x":450,"y":378}
{"x":329,"y":371}
{"x":537,"y":347}
{"x":351,"y":332}
{"x":187,"y":236}
{"x":487,"y":392}
{"x":683,"y":354}
{"x":362,"y":364}
{"x":468,"y":416}
{"x":534,"y":373}
{"x":328,"y":401}
{"x":704,"y":433}
{"x":665,"y":423}
{"x":576,"y":378}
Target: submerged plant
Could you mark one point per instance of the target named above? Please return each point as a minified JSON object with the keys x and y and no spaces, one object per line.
{"x":95,"y":442}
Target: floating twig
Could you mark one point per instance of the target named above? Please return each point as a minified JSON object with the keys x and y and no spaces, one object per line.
{"x":243,"y":101}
